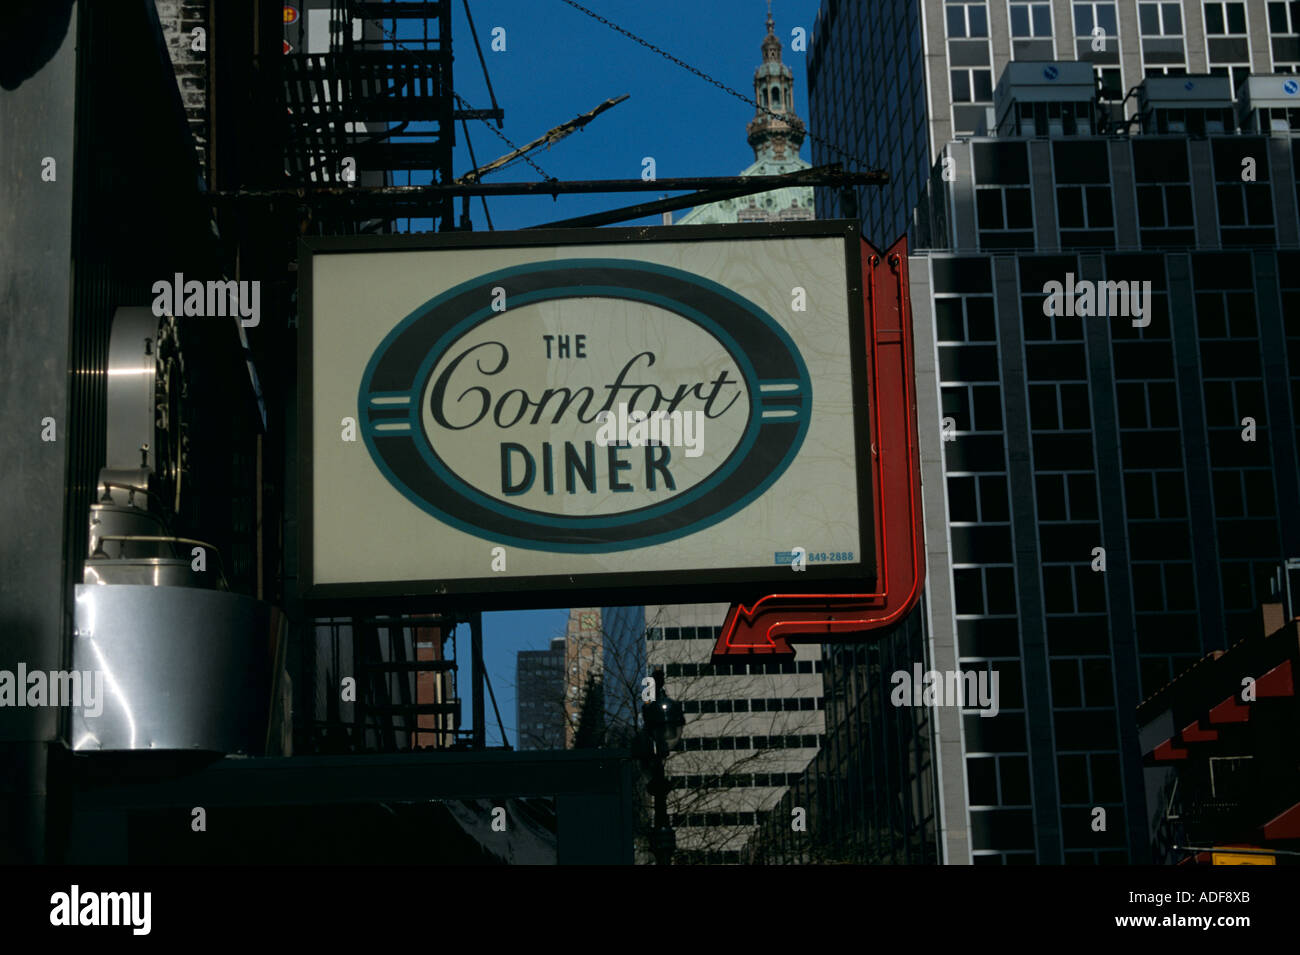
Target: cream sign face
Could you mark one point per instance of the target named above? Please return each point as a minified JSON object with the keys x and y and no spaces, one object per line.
{"x":679,"y":394}
{"x":583,"y":410}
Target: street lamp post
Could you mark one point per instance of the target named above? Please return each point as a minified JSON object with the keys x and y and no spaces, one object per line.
{"x":663,"y":725}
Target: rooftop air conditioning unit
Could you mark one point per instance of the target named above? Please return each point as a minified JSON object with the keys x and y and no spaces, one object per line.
{"x":1025,"y":81}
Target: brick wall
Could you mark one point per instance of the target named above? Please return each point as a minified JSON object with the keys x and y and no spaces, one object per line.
{"x":179,"y":18}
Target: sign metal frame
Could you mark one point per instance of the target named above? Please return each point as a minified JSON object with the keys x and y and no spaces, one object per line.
{"x":509,"y":591}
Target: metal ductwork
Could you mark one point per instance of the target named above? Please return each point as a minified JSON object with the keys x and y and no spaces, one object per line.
{"x":183,"y":663}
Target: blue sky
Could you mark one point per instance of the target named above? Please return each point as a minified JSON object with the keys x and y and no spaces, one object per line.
{"x":559,"y":63}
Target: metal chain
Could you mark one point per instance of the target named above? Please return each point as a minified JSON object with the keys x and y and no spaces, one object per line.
{"x":704,"y":76}
{"x":502,"y":136}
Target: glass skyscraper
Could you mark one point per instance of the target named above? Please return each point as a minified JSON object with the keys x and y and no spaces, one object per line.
{"x":1107,"y":316}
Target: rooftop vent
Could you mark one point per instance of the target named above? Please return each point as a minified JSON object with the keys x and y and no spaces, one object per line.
{"x":1045,"y":99}
{"x":1194,"y":105}
{"x":1269,"y":104}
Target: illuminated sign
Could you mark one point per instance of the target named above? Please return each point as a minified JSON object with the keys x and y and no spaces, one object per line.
{"x":768,"y":625}
{"x":555,"y":412}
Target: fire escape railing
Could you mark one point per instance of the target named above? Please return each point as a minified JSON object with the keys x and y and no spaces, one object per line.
{"x":376,"y":109}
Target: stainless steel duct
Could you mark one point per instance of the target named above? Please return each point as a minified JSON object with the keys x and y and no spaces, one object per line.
{"x":172,"y":660}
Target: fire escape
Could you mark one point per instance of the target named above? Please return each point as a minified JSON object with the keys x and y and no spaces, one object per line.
{"x":373,"y":110}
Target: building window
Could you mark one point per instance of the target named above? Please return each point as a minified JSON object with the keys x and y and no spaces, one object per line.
{"x":1160,"y":588}
{"x":1245,"y":587}
{"x":1085,"y":207}
{"x":1229,"y":315}
{"x":984,"y":773}
{"x":972,"y":85}
{"x":1164,"y":207}
{"x":976,"y":499}
{"x":967,"y":19}
{"x":1086,"y":217}
{"x":1225,"y":40}
{"x":1161,"y":27}
{"x":1160,"y":19}
{"x":1059,"y":407}
{"x":1144,"y":405}
{"x":965,"y":319}
{"x":1073,"y":588}
{"x":1031,"y":20}
{"x":1225,"y":19}
{"x":1067,"y":497}
{"x":1089,"y":16}
{"x":1079,"y":683}
{"x":1111,"y":82}
{"x":973,"y":407}
{"x":1096,"y":32}
{"x":1243,"y":493}
{"x":1164,"y":195}
{"x":1155,"y":495}
{"x":1005,"y":216}
{"x":1283,"y":27}
{"x":984,"y":590}
{"x":1001,"y":208}
{"x":1284,"y":17}
{"x":1245,"y":208}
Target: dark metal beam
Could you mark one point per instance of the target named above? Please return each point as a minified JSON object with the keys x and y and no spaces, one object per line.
{"x":496,"y":709}
{"x":496,"y":114}
{"x":646,"y":209}
{"x":476,"y":677}
{"x":487,"y":78}
{"x":414,"y":10}
{"x":830,"y":176}
{"x":332,"y":780}
{"x":547,"y":139}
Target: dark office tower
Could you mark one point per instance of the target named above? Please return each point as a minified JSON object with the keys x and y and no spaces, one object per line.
{"x":1110,"y":465}
{"x":1120,"y":458}
{"x":539,"y":697}
{"x":895,"y":82}
{"x":867,"y":96}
